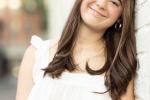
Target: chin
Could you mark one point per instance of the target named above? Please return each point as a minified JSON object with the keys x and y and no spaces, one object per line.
{"x":96,"y":26}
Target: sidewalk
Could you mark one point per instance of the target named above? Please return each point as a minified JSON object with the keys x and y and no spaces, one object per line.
{"x":8,"y":88}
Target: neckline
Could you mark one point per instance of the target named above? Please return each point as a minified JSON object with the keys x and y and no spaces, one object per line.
{"x":75,"y":73}
{"x":82,"y":74}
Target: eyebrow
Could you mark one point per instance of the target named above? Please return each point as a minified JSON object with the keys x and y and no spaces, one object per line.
{"x":120,"y":2}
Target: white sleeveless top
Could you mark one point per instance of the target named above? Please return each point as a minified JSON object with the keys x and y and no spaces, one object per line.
{"x":70,"y":86}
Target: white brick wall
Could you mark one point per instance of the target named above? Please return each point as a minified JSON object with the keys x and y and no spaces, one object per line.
{"x":142,"y":85}
{"x":58,"y":13}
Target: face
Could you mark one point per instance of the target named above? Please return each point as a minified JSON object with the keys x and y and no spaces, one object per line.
{"x":100,"y":14}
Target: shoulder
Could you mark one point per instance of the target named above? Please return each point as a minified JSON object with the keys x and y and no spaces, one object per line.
{"x":30,"y":50}
{"x":42,"y":52}
{"x":25,"y":80}
{"x":28,"y":57}
{"x":39,"y":43}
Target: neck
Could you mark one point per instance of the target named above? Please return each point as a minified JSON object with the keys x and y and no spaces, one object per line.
{"x":89,"y":38}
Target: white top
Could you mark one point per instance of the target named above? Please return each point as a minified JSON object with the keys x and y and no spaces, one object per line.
{"x":76,"y":86}
{"x":70,"y":86}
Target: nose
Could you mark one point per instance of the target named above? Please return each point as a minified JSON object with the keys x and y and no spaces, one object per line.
{"x":101,"y":4}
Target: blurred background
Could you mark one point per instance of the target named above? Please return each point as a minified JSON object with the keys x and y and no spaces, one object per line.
{"x":19,"y":20}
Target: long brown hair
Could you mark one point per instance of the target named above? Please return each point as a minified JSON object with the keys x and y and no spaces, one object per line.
{"x":121,"y":62}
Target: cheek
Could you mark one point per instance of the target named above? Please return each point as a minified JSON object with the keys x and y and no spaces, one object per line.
{"x":114,"y":14}
{"x":85,"y":4}
{"x":84,"y":10}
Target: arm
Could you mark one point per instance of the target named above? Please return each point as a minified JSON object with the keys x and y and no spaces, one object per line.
{"x":129,"y":95}
{"x":25,"y":81}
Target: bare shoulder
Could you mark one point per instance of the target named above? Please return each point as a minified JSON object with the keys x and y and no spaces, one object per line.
{"x":25,"y":80}
{"x":30,"y":50}
{"x":29,"y":57}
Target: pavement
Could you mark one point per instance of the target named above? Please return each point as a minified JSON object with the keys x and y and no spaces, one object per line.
{"x":8,"y":87}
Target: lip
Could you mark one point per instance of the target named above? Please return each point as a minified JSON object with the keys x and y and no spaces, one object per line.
{"x":101,"y":14}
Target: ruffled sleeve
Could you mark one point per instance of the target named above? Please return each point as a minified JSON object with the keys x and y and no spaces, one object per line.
{"x":36,"y":41}
{"x":41,"y":55}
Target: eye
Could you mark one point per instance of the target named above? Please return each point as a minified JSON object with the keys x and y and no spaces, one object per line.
{"x":115,"y":3}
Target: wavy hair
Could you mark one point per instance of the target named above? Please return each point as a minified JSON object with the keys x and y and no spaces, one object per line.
{"x":121,"y":61}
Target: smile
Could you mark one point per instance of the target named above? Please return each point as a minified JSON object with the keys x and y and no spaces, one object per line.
{"x":98,"y":12}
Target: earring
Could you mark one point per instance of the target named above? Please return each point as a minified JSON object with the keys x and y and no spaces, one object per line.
{"x":118,"y":26}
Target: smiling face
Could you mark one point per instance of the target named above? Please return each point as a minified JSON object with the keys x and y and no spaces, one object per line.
{"x":100,"y":14}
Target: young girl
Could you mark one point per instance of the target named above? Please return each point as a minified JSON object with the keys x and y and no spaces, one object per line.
{"x":94,"y":59}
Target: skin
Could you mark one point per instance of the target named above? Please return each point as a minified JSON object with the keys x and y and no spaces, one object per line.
{"x":100,"y":14}
{"x":25,"y":81}
{"x":89,"y":45}
{"x":97,"y":16}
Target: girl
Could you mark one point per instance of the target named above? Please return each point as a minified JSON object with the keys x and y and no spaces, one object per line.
{"x":94,"y":59}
